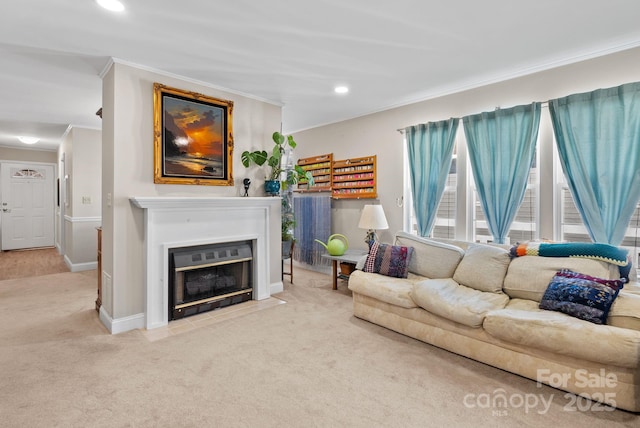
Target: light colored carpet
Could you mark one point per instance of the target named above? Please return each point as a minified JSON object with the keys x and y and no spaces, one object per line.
{"x":27,"y":263}
{"x":305,"y":363}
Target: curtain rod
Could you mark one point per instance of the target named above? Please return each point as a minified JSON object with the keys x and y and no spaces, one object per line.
{"x":542,"y":105}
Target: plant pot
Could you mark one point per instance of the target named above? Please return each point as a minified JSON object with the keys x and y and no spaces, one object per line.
{"x":272,"y":187}
{"x":286,"y":249}
{"x":347,"y":268}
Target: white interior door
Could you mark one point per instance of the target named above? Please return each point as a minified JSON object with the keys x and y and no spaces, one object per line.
{"x":27,"y":205}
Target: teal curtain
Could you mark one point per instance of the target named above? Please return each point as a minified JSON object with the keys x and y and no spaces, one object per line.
{"x":429,"y":146}
{"x":502,"y":145}
{"x":598,"y":139}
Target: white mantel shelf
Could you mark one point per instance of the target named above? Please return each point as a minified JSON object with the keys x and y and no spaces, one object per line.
{"x":179,"y":221}
{"x":159,"y":202}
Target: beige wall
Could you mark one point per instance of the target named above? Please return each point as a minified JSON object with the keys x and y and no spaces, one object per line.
{"x":28,"y":155}
{"x":377,"y":133}
{"x":127,"y":154}
{"x":82,"y":153}
{"x":87,"y":173}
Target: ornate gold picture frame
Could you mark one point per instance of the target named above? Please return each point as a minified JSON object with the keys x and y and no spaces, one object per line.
{"x":193,"y":138}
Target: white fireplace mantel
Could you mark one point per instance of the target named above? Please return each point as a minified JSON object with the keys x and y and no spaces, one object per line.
{"x":172,"y":222}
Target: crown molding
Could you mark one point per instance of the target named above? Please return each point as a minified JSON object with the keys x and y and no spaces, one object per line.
{"x":488,"y":80}
{"x":112,"y":61}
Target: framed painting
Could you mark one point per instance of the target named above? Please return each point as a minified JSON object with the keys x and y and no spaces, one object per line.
{"x":193,"y":138}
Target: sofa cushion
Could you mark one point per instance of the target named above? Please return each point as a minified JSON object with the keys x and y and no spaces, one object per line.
{"x":465,"y":244}
{"x":389,"y":260}
{"x":395,"y":291}
{"x":582,"y":296}
{"x":625,"y":311}
{"x":483,"y":267}
{"x":524,"y":323}
{"x":529,"y":276}
{"x":430,"y":259}
{"x":455,"y":302}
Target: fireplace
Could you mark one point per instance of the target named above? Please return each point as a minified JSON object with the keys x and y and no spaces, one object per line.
{"x":208,"y":277}
{"x":184,"y":222}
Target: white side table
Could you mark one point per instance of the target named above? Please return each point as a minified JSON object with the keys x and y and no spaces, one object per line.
{"x":350,"y":256}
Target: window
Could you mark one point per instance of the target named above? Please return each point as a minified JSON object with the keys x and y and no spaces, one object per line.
{"x":631,"y":239}
{"x":445,"y":223}
{"x":524,"y":226}
{"x":546,"y":188}
{"x":26,"y":173}
{"x":573,"y":229}
{"x":571,"y":226}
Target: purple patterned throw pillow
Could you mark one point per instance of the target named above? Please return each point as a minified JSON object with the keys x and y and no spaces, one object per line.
{"x":581,"y":296}
{"x":389,"y":260}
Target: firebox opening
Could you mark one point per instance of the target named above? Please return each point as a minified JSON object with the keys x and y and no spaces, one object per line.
{"x":207,"y":277}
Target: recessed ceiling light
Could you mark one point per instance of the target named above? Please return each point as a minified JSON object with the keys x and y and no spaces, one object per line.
{"x":341,"y":89}
{"x":29,"y":140}
{"x":112,"y":5}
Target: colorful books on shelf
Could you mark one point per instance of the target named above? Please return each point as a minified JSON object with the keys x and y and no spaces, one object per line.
{"x":348,"y":178}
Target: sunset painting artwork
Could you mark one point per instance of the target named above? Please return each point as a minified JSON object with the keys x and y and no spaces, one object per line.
{"x":192,"y":138}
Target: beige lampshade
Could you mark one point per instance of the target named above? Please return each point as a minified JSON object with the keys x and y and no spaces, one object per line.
{"x":373,"y":218}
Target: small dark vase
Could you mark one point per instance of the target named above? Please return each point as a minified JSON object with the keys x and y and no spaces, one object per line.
{"x":272,"y":187}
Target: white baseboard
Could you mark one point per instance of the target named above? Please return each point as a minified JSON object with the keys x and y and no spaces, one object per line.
{"x":137,"y":321}
{"x":123,"y":324}
{"x":277,"y":287}
{"x":78,"y":267}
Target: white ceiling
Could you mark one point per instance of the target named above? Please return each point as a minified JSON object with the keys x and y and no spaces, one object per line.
{"x":290,"y":52}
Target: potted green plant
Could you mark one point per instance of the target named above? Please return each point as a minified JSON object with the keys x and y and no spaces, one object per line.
{"x":288,"y":223}
{"x":292,"y":174}
{"x":274,"y":161}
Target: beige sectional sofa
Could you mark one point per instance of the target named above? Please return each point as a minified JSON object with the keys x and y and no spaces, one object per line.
{"x":476,"y":301}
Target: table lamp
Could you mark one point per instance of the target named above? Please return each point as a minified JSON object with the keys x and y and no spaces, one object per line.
{"x":372,"y":218}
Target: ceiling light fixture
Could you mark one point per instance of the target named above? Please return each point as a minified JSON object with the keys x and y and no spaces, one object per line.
{"x":112,"y":5}
{"x":341,"y":89}
{"x":29,"y":140}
